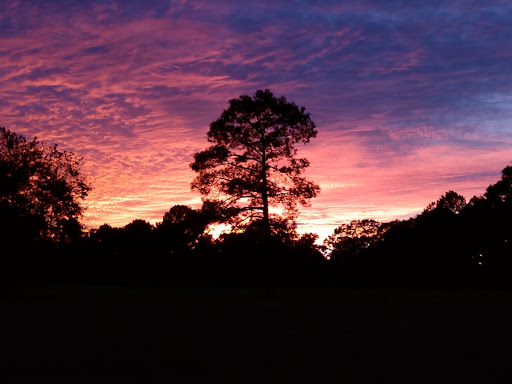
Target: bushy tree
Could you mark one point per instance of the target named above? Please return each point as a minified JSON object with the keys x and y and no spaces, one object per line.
{"x":183,"y":228}
{"x":350,"y":239}
{"x":41,"y":189}
{"x":451,"y":200}
{"x":500,"y":194}
{"x":488,"y":225}
{"x":252,"y":163}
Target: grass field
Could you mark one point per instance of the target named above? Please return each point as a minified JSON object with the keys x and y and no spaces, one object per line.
{"x":204,"y":334}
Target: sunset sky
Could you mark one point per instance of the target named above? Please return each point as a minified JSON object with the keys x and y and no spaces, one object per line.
{"x":410,"y":98}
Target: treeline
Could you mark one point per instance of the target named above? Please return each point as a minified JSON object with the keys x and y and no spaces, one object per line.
{"x":178,"y":250}
{"x":452,"y":242}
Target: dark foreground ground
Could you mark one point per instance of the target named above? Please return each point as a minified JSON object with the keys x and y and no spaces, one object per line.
{"x":201,"y":335}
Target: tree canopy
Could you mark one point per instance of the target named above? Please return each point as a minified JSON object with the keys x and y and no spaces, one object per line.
{"x":350,"y":239}
{"x":41,"y":189}
{"x":451,"y":200}
{"x":252,"y":163}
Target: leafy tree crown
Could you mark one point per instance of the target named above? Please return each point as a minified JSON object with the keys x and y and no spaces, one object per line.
{"x":41,"y":187}
{"x":252,"y":163}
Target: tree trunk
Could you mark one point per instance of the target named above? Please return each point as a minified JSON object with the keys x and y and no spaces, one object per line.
{"x":264,"y":198}
{"x":264,"y":192}
{"x":266,"y":248}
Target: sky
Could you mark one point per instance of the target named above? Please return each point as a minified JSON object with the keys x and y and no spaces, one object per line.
{"x":411,"y":99}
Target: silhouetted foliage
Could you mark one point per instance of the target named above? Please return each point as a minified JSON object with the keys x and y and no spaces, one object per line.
{"x":137,"y":238}
{"x":283,"y":257}
{"x":41,"y":189}
{"x":348,"y":240}
{"x":252,"y":162}
{"x":306,"y":251}
{"x":500,"y":194}
{"x":450,"y":200}
{"x":183,"y":229}
{"x":489,"y":225}
{"x":179,"y":214}
{"x":451,"y":243}
{"x":108,"y":239}
{"x":138,"y":228}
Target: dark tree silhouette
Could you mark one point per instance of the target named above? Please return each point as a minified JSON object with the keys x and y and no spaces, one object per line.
{"x":41,"y":189}
{"x":350,"y":239}
{"x":108,"y":238}
{"x":489,"y":228}
{"x":138,"y":228}
{"x":136,"y":239}
{"x":450,"y":200}
{"x":179,"y":214}
{"x":500,"y":194}
{"x":183,"y":228}
{"x":252,"y":163}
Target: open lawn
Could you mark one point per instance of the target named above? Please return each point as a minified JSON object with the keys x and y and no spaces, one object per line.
{"x":210,"y":334}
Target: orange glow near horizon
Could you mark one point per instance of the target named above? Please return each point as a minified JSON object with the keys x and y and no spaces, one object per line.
{"x":403,"y":113}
